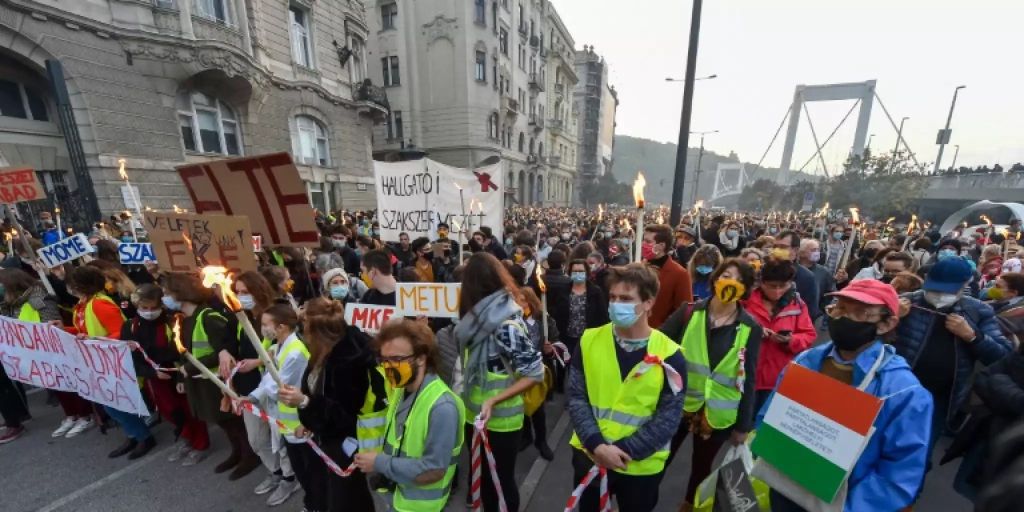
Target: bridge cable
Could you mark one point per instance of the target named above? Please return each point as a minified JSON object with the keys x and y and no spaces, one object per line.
{"x":827,"y":139}
{"x":814,"y":134}
{"x":899,"y":135}
{"x":778,"y":130}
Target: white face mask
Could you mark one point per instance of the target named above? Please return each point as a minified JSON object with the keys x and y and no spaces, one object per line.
{"x":150,"y":314}
{"x":941,"y":300}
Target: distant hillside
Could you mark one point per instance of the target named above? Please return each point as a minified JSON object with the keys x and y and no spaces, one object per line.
{"x":658,"y":159}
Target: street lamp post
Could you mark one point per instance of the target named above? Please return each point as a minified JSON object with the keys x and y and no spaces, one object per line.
{"x":684,"y":118}
{"x":698,"y":170}
{"x":872,"y":136}
{"x":955,"y":154}
{"x":945,"y":134}
{"x":899,"y":138}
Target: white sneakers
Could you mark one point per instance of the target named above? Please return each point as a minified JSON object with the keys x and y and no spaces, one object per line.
{"x":81,"y":425}
{"x":283,"y":491}
{"x":268,"y":484}
{"x":64,"y":427}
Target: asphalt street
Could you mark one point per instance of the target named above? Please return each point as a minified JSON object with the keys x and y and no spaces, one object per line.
{"x":43,"y":474}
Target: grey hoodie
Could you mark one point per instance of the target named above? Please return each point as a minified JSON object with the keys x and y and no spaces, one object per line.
{"x":37,"y":298}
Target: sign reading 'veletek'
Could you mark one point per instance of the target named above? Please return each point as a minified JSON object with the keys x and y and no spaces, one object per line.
{"x":265,"y":188}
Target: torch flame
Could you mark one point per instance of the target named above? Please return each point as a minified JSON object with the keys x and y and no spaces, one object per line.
{"x":660,"y":219}
{"x":214,"y":276}
{"x":890,"y":219}
{"x":177,"y":334}
{"x":638,"y":189}
{"x":540,"y":280}
{"x":913,"y":221}
{"x":855,"y":213}
{"x":600,"y":212}
{"x":124,"y":175}
{"x":699,"y":205}
{"x":988,"y":221}
{"x":824,"y":210}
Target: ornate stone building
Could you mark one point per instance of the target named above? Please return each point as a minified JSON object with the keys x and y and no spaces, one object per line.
{"x":165,"y":82}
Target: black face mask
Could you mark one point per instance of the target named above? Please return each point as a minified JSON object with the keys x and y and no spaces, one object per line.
{"x":887,"y":278}
{"x":849,"y":335}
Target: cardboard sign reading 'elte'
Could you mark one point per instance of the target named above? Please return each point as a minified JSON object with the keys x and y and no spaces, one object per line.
{"x":186,"y":242}
{"x":266,"y":188}
{"x":19,"y":184}
{"x":65,"y":250}
{"x":437,"y":300}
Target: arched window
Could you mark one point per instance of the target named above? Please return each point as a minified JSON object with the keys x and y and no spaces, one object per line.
{"x":208,"y":125}
{"x":492,"y":125}
{"x":309,"y":142}
{"x":522,"y":142}
{"x":532,"y":145}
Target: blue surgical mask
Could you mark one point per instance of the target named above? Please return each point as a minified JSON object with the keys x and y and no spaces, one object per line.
{"x":622,"y":314}
{"x":947,"y":253}
{"x":127,"y":239}
{"x":838,"y":235}
{"x":247,"y":301}
{"x":705,"y":269}
{"x":339,"y":292}
{"x":732,"y":233}
{"x":170,"y":303}
{"x":578,"y":277}
{"x":773,"y":230}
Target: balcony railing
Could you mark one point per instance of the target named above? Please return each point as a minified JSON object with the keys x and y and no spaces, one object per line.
{"x":536,"y":82}
{"x":553,"y":160}
{"x":374,"y":94}
{"x":511,"y":106}
{"x":536,"y":122}
{"x":556,"y":126}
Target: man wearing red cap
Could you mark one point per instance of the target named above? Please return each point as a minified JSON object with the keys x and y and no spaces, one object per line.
{"x":891,"y":468}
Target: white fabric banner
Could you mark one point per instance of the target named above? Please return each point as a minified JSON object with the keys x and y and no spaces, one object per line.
{"x":414,"y":197}
{"x":43,"y":355}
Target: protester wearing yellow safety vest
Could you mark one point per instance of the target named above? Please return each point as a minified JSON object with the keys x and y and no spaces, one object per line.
{"x":499,"y":363}
{"x":341,"y":396}
{"x":623,"y":407}
{"x":205,"y":333}
{"x":720,"y":341}
{"x":25,"y":299}
{"x":423,"y":437}
{"x":278,"y":323}
{"x":256,"y":296}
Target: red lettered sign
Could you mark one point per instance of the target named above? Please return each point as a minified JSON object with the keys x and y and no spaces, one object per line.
{"x":265,"y":188}
{"x":367,"y":317}
{"x":18,"y":184}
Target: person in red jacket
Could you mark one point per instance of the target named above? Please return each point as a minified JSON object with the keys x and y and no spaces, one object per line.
{"x":786,"y":321}
{"x":674,"y":289}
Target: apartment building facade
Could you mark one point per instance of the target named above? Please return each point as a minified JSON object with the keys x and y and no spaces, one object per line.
{"x":597,"y":102}
{"x":161,"y":83}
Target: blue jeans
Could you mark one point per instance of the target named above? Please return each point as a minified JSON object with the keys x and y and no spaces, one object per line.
{"x":133,"y":425}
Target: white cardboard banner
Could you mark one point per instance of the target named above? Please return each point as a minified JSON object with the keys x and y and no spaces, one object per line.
{"x":135,"y":253}
{"x":414,"y":197}
{"x":435,"y":300}
{"x":45,"y":356}
{"x":368,"y":317}
{"x":65,"y":250}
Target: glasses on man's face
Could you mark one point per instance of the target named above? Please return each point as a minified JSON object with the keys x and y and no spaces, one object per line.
{"x":394,"y":359}
{"x":857,"y":315}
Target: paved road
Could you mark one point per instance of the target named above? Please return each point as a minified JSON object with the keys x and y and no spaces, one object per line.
{"x":46,"y":475}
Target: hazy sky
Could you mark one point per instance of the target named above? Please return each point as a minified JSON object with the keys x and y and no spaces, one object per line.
{"x":918,"y":50}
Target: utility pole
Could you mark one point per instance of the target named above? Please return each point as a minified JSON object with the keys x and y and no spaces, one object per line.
{"x":944,"y":135}
{"x":899,"y":138}
{"x":684,"y":119}
{"x":698,"y":170}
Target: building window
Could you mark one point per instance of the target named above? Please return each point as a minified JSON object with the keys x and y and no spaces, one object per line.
{"x":316,"y":196}
{"x":480,"y":69}
{"x":358,"y":68}
{"x":301,"y":50}
{"x":480,"y":12}
{"x":522,"y":142}
{"x":309,"y":143}
{"x":391,"y":74}
{"x":503,"y":41}
{"x":207,"y":124}
{"x":215,"y":10}
{"x":388,"y":16}
{"x":492,"y":125}
{"x":394,"y":126}
{"x":18,"y":101}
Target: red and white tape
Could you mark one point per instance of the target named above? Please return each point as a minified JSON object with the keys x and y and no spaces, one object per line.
{"x":333,"y":466}
{"x":480,"y":438}
{"x":605,"y":500}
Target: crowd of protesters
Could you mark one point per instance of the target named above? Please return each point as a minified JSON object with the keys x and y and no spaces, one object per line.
{"x":556,"y":300}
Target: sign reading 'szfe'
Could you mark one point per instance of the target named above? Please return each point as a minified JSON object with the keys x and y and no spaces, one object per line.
{"x":265,"y":188}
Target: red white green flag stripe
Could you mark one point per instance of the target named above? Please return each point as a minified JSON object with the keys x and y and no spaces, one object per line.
{"x":815,"y":430}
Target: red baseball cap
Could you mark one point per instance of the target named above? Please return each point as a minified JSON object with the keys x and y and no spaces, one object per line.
{"x":872,"y":292}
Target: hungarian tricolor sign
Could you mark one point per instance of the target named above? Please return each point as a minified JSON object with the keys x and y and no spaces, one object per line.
{"x":815,"y":430}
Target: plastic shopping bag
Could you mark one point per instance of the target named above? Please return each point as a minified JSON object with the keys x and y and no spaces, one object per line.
{"x":730,"y":487}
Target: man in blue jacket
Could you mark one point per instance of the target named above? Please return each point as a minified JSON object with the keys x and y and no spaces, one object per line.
{"x":944,"y":335}
{"x":890,"y":470}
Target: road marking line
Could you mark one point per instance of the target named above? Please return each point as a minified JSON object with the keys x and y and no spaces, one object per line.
{"x":105,"y":480}
{"x":540,"y":465}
